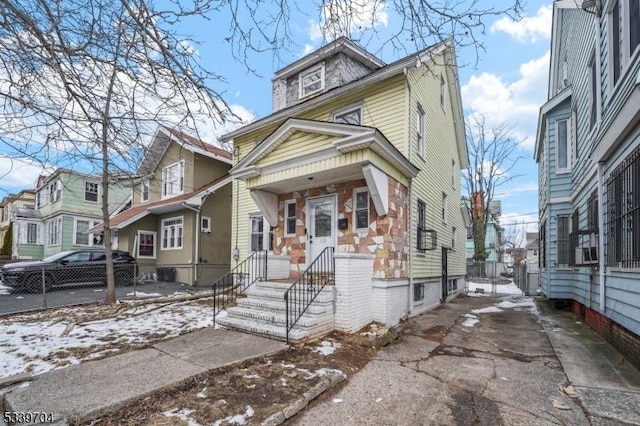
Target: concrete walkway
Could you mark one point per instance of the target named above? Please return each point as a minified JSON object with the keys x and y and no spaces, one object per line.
{"x":86,"y":391}
{"x":507,"y":367}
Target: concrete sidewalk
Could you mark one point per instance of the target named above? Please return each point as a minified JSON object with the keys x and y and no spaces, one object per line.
{"x":86,"y":391}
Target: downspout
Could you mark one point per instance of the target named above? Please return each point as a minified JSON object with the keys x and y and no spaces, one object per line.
{"x":601,"y":259}
{"x":196,"y":226}
{"x":410,"y":206}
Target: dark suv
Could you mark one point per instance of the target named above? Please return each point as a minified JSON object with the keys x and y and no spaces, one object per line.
{"x":68,"y":267}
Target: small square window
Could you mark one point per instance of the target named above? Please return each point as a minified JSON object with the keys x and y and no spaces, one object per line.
{"x":418,"y":292}
{"x":206,"y":224}
{"x":349,"y":116}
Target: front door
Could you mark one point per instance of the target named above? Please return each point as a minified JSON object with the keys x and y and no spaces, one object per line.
{"x":321,"y":226}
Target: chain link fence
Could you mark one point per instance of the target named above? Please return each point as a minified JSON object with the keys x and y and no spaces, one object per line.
{"x":34,"y":288}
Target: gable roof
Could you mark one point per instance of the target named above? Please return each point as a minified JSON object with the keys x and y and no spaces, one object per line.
{"x":163,"y":137}
{"x":375,"y":77}
{"x":194,"y":198}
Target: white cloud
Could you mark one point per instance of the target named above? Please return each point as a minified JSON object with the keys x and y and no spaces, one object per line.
{"x":513,"y":103}
{"x":17,"y":174}
{"x":514,"y":190}
{"x":528,"y":29}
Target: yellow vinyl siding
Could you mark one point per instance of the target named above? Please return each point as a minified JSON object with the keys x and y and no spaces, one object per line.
{"x":240,"y":218}
{"x":434,"y":178}
{"x":299,"y":144}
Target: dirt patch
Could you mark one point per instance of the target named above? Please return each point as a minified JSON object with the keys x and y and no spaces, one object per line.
{"x":250,"y":391}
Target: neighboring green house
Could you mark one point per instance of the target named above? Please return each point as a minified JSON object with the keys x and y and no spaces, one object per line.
{"x":180,"y":215}
{"x":362,"y":159}
{"x":67,"y":205}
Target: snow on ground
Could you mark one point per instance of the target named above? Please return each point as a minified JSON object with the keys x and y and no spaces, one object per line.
{"x":487,"y":310}
{"x":182,"y":414}
{"x":35,"y":345}
{"x":238,"y":419}
{"x":470,"y":321}
{"x":326,"y":348}
{"x":4,"y":290}
{"x":510,"y":288}
{"x":143,"y":295}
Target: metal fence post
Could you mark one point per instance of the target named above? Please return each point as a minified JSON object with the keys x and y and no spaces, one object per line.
{"x":44,"y":289}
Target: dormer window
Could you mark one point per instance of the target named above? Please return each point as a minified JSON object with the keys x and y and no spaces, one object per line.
{"x":311,"y":81}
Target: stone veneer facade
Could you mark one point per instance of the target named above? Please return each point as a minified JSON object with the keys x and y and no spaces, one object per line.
{"x":386,"y":237}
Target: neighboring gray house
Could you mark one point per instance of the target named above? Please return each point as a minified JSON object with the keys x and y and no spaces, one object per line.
{"x":588,"y":152}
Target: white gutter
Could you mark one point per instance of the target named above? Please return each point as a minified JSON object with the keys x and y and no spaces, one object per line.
{"x":601,"y":259}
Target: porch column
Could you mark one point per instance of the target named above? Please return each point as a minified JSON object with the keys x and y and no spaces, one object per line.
{"x":354,"y":291}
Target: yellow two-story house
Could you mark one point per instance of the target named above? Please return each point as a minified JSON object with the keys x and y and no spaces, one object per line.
{"x":359,"y":159}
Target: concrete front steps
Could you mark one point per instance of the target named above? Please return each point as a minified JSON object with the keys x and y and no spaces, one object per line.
{"x":263,"y":310}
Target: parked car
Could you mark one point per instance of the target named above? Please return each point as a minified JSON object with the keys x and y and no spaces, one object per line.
{"x":83,"y":266}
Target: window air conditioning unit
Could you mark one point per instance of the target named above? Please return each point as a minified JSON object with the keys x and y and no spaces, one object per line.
{"x":586,"y":255}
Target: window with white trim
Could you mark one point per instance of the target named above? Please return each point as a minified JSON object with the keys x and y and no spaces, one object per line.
{"x":83,"y":238}
{"x":420,"y":116}
{"x":55,"y":191}
{"x":91,"y":191}
{"x":311,"y":81}
{"x":54,"y":228}
{"x":173,"y":179}
{"x":29,"y":233}
{"x":361,"y":209}
{"x":260,"y":235}
{"x":349,"y":116}
{"x":144,"y":191}
{"x":290,"y":218}
{"x":444,"y":207}
{"x":147,"y":244}
{"x":563,"y":163}
{"x":562,"y":241}
{"x":172,"y":231}
{"x":624,"y":35}
{"x":593,"y":90}
{"x":205,"y":223}
{"x":418,"y":292}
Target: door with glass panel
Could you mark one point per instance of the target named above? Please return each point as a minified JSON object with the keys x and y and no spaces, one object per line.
{"x":321,"y":225}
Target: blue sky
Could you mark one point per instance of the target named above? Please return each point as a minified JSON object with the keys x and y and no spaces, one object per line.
{"x":508,"y":85}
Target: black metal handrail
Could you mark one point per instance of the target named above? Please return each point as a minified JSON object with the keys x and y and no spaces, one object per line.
{"x":303,"y":292}
{"x":235,"y":282}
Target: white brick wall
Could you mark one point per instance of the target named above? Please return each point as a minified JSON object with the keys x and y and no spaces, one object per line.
{"x":390,"y":300}
{"x":353,"y":291}
{"x":277,"y":267}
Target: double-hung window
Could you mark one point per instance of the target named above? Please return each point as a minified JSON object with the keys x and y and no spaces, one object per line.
{"x":260,"y":237}
{"x":55,"y":232}
{"x":311,"y":81}
{"x":420,"y":130}
{"x":624,"y":38}
{"x":562,"y":241}
{"x":563,"y":160}
{"x":173,"y":179}
{"x":172,"y":230}
{"x":361,"y":209}
{"x":91,"y":190}
{"x":146,"y":244}
{"x":83,"y":238}
{"x":144,"y":191}
{"x":290,"y":218}
{"x":29,"y":233}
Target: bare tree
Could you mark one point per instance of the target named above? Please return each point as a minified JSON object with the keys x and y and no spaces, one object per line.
{"x":492,"y":159}
{"x":84,"y":82}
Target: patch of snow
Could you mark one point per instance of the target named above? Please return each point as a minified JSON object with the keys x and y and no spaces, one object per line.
{"x":20,"y":297}
{"x":4,"y":290}
{"x":39,"y":345}
{"x":238,"y":419}
{"x":337,"y":400}
{"x":143,"y":295}
{"x":318,"y":373}
{"x":251,"y":376}
{"x":202,"y":394}
{"x":510,"y":288}
{"x":508,"y":304}
{"x":470,"y":321}
{"x":182,"y":414}
{"x":326,"y":347}
{"x":99,"y":290}
{"x":487,"y":310}
{"x":477,"y":294}
{"x":288,"y":365}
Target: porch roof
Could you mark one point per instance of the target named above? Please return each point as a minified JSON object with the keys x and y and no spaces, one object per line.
{"x":192,"y":199}
{"x":345,"y":138}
